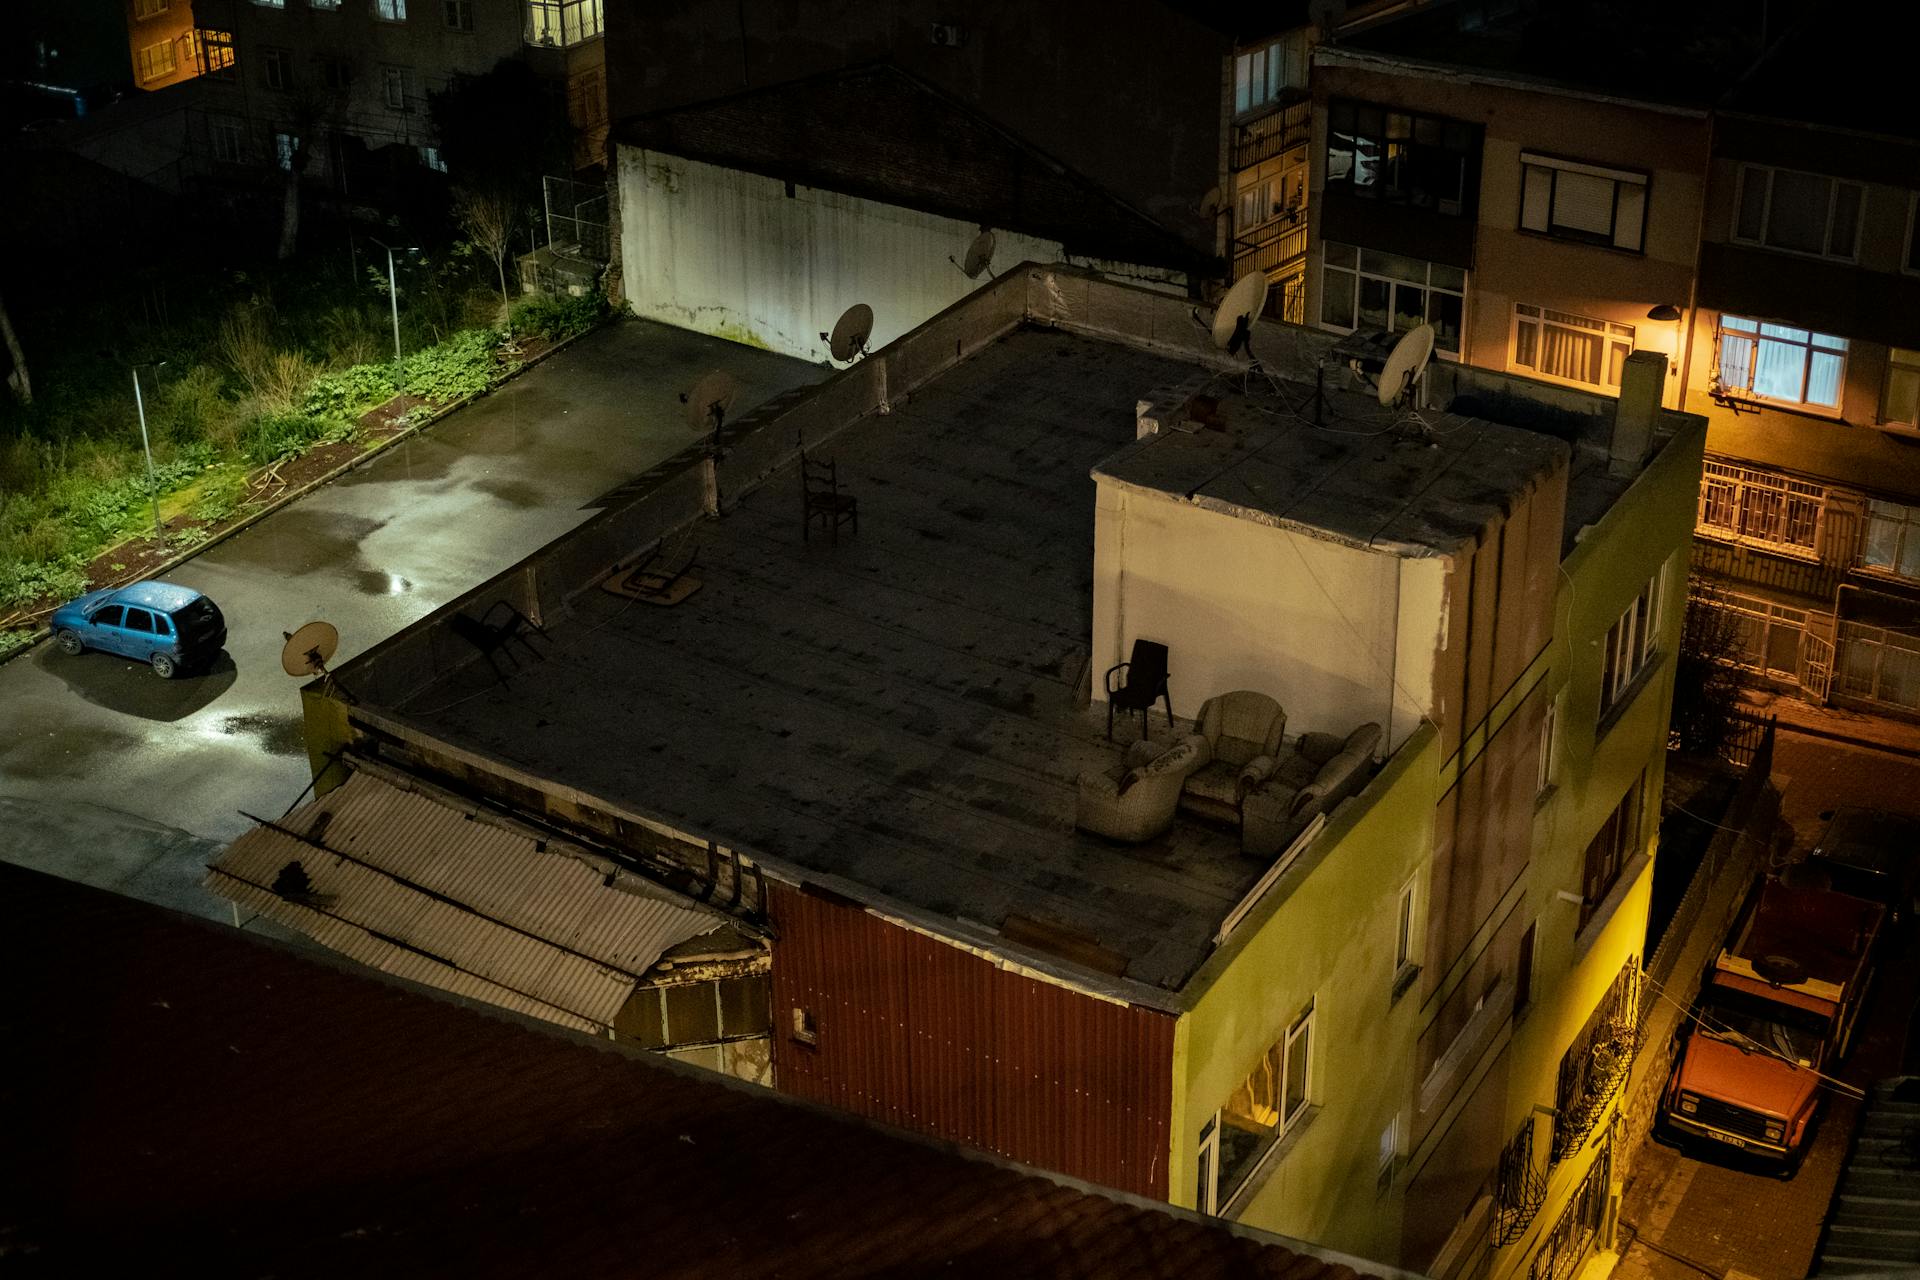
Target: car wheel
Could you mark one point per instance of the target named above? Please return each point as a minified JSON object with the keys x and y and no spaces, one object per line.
{"x":69,"y":641}
{"x":164,"y":666}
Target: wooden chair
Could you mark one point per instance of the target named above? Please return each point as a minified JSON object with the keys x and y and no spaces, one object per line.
{"x":1143,"y":682}
{"x":821,"y":499}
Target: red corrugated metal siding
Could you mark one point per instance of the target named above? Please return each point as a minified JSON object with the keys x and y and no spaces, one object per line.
{"x":933,"y":1038}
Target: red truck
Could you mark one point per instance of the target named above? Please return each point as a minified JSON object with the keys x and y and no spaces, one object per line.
{"x":1777,"y":1006}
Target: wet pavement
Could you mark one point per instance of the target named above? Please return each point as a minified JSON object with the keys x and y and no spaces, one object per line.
{"x":1681,"y":1217}
{"x":113,"y":776}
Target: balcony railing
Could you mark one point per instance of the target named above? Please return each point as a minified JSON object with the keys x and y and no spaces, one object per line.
{"x":1273,"y":134}
{"x":1270,"y":247}
{"x":1520,"y":1188}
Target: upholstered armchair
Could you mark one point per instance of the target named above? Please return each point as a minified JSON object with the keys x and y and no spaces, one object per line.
{"x":1319,"y":772}
{"x":1135,"y":800}
{"x":1242,"y":732}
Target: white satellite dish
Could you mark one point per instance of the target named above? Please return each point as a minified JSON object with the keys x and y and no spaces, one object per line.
{"x":848,"y":341}
{"x":308,"y":650}
{"x":708,"y":400}
{"x":1405,"y":363}
{"x":1212,"y":204}
{"x":979,"y":256}
{"x":1233,"y":318}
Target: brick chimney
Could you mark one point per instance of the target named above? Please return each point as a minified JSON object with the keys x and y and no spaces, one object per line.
{"x":1641,"y":383}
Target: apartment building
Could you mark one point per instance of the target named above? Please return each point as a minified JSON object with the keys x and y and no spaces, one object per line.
{"x":1348,"y":1022}
{"x":1804,"y":356}
{"x":164,"y":43}
{"x":1267,"y":127}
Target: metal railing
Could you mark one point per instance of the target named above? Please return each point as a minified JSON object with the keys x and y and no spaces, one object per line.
{"x":1520,"y":1188}
{"x":1273,"y":134}
{"x":577,"y":215}
{"x":1270,"y":247}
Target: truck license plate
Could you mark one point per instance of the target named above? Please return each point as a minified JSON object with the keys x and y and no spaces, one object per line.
{"x":1728,"y":1138}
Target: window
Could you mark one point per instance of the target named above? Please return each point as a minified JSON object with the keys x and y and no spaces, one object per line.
{"x":109,"y":616}
{"x":1367,"y":289}
{"x":162,"y":625}
{"x":144,"y":9}
{"x":224,"y":134}
{"x":1394,"y":155}
{"x":562,"y":22}
{"x":1781,"y":363}
{"x":325,"y":4}
{"x":431,"y":158}
{"x":1570,"y":348}
{"x":1760,"y":507}
{"x":1268,"y":1102}
{"x":390,"y":10}
{"x":1406,"y":945}
{"x":696,"y":1013}
{"x":804,"y":1028}
{"x":1799,"y":212}
{"x":140,"y":620}
{"x":216,"y":52}
{"x":155,"y":61}
{"x":1631,"y":643}
{"x":1583,"y":202}
{"x":459,"y":15}
{"x":1893,"y":539}
{"x":1262,"y":75}
{"x":1900,"y":402}
{"x":1610,"y":849}
{"x":271,"y":4}
{"x":278,"y":68}
{"x":284,"y":147}
{"x":393,"y":87}
{"x":586,"y":100}
{"x":1523,"y":972}
{"x":1389,"y":1153}
{"x":1549,"y":745}
{"x":1263,"y":200}
{"x":336,"y":73}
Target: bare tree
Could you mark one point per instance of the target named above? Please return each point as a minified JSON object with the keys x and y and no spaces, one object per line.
{"x":490,"y":217}
{"x":1706,"y":684}
{"x":17,"y":380}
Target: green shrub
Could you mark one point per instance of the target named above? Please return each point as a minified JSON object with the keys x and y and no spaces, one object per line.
{"x":220,"y":493}
{"x":351,"y":392}
{"x":11,"y":640}
{"x":194,"y":407}
{"x":463,"y":365}
{"x":554,"y":318}
{"x":22,"y":582}
{"x":273,"y":436}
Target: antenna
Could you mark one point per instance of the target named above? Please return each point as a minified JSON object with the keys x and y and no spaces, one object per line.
{"x":979,"y":256}
{"x":308,"y":650}
{"x":848,"y":341}
{"x":1405,"y":363}
{"x":1212,"y":204}
{"x":707,"y":403}
{"x":1233,"y":318}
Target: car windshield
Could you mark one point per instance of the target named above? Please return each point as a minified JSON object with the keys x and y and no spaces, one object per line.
{"x":1752,"y":1024}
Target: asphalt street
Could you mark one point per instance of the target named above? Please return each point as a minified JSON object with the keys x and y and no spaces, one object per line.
{"x":114,"y":777}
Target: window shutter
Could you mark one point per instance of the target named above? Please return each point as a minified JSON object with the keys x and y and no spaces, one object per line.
{"x":1631,"y":219}
{"x":1536,"y":197}
{"x":1582,"y":202}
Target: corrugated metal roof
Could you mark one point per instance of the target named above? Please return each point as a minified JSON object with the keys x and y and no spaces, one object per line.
{"x":414,"y":887}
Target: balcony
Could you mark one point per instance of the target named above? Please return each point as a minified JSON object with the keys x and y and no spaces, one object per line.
{"x":1273,"y":134}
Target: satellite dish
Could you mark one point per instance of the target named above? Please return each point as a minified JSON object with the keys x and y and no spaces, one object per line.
{"x":979,"y":256}
{"x":308,"y":650}
{"x":708,"y":401}
{"x":1405,"y":363}
{"x":1212,"y":204}
{"x":1233,"y":318}
{"x":848,"y":341}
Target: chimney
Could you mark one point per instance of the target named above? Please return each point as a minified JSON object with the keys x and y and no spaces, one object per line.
{"x":1641,"y":383}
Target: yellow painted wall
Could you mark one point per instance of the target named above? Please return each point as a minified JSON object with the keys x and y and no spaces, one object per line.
{"x":1324,"y":933}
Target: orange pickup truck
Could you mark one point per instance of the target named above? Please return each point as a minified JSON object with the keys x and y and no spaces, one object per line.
{"x":1777,"y":1006}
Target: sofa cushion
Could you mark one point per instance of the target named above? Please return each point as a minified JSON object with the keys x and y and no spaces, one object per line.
{"x":1183,"y":757}
{"x":1218,"y":781}
{"x":1295,"y":770}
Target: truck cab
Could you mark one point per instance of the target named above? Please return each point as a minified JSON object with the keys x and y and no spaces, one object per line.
{"x":1777,"y":1008}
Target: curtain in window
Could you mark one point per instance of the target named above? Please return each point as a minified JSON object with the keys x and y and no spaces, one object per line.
{"x":1780,"y":370}
{"x":1823,"y":380}
{"x":1565,"y":353}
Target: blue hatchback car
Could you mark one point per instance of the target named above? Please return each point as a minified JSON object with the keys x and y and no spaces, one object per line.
{"x":171,"y":629}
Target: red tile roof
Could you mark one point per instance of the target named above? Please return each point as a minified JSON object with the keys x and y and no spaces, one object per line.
{"x":206,"y":1100}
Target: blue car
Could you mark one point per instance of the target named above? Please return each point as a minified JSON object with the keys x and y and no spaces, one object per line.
{"x":171,"y":629}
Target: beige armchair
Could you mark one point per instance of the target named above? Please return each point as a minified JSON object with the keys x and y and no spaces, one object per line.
{"x":1322,"y":770}
{"x":1135,"y":800}
{"x":1242,"y":733}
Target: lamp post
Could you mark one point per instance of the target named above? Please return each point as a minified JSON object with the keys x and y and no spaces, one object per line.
{"x":140,"y":406}
{"x":393,"y":290}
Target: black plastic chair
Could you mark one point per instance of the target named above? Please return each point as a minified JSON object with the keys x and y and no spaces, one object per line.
{"x":821,"y":499}
{"x":1145,"y":682}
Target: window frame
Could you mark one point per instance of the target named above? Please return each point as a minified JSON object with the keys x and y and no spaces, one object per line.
{"x":1726,"y":330}
{"x":286,"y":145}
{"x":230,"y":130}
{"x":1406,"y":936}
{"x":1400,"y":170}
{"x":1274,"y":67}
{"x":146,"y":65}
{"x":1899,"y":359}
{"x":392,"y":78}
{"x":1554,"y":166}
{"x":389,"y":10}
{"x":1548,"y":763}
{"x":276,"y":69}
{"x":209,"y":44}
{"x":1605,"y":330}
{"x":1214,"y":1192}
{"x":1745,"y":174}
{"x":1907,"y":522}
{"x":1358,"y":274}
{"x":1621,"y":834}
{"x":145,"y":9}
{"x":1630,"y":647}
{"x":457,"y":15}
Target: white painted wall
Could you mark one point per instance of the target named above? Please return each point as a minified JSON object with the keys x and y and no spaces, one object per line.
{"x":731,"y":254}
{"x":1337,"y":634}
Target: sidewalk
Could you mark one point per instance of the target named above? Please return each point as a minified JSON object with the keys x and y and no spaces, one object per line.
{"x":1855,"y":728}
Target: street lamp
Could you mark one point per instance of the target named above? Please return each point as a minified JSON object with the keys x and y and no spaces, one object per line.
{"x":140,"y":406}
{"x":393,"y":289}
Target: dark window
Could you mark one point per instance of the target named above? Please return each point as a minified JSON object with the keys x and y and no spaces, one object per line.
{"x":1608,"y":852}
{"x":692,"y":1015}
{"x":139,"y":620}
{"x":336,"y":73}
{"x":278,"y":66}
{"x":1415,"y":160}
{"x":162,"y":625}
{"x":108,"y":617}
{"x":459,"y":15}
{"x":744,"y":1007}
{"x":1523,"y":972}
{"x":1576,"y":201}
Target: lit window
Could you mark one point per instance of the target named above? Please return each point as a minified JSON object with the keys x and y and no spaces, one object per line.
{"x":562,"y":22}
{"x":431,"y":157}
{"x":325,"y":4}
{"x":216,"y":52}
{"x":1549,"y":745}
{"x":1799,"y":212}
{"x":1900,"y":404}
{"x":225,"y":135}
{"x":144,"y":9}
{"x":1570,"y":348}
{"x":1261,"y":75}
{"x":277,"y":65}
{"x":1781,"y":363}
{"x":1893,"y":539}
{"x":1263,"y":201}
{"x":1396,"y":156}
{"x":1760,"y":507}
{"x":459,"y":15}
{"x":1582,"y":201}
{"x":390,"y":10}
{"x":393,"y":85}
{"x":1406,"y":943}
{"x":1268,"y":1102}
{"x":271,"y":4}
{"x":285,"y":145}
{"x":155,"y":61}
{"x":1609,"y":851}
{"x":1367,"y":289}
{"x":1631,"y":643}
